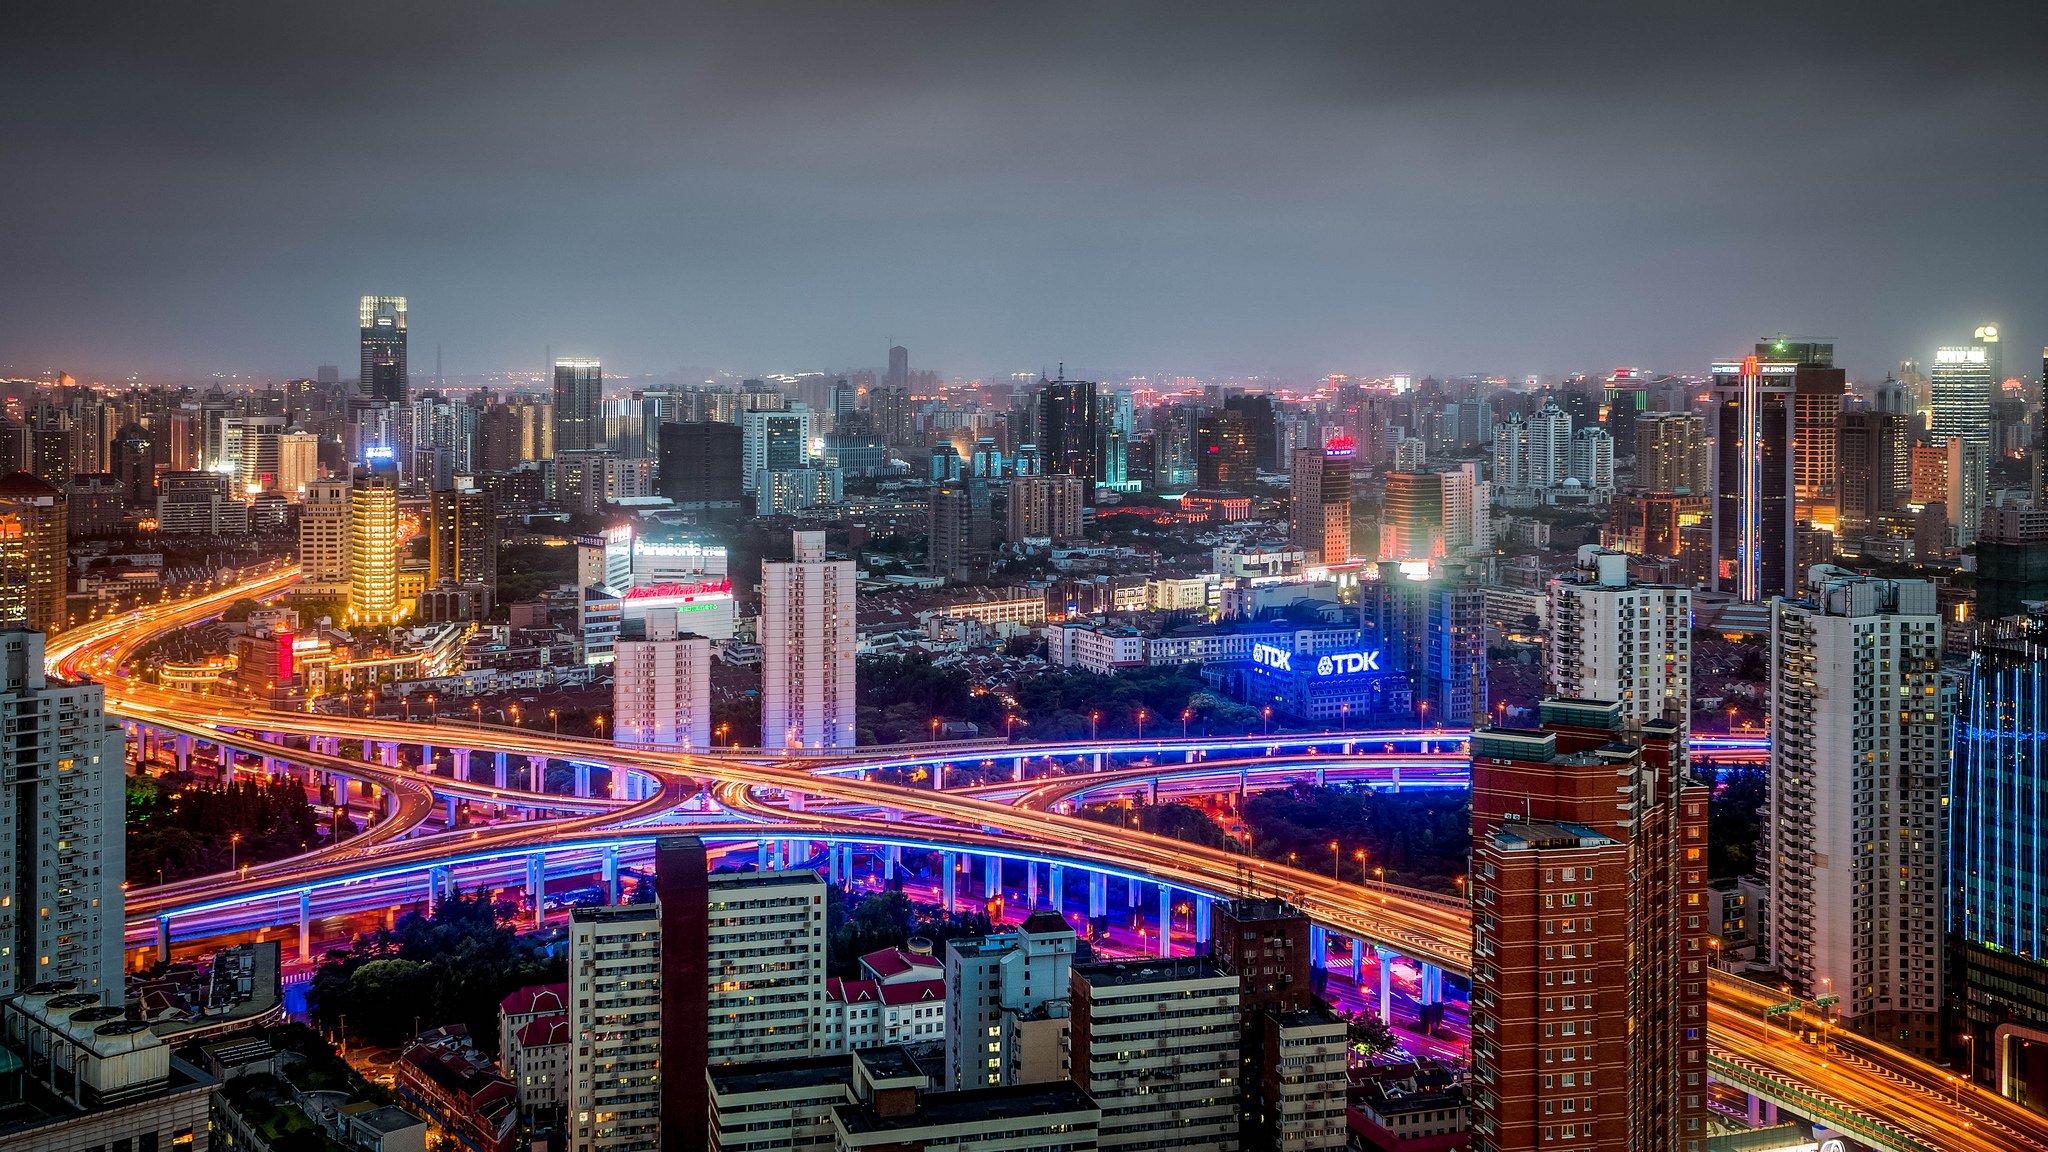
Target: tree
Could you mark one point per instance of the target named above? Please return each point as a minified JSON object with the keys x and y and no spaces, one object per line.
{"x":1370,"y":1036}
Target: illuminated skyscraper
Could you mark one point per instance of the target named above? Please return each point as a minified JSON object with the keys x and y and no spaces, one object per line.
{"x":324,"y":539}
{"x":1070,"y":430}
{"x":383,"y":348}
{"x":462,"y":540}
{"x":579,"y":395}
{"x":32,"y":556}
{"x":373,"y":541}
{"x":807,"y":648}
{"x":1964,"y":379}
{"x":1412,"y":517}
{"x":1755,"y":512}
{"x":1319,"y":517}
{"x":1224,"y":456}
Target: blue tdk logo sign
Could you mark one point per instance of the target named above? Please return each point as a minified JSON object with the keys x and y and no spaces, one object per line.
{"x":1274,"y":657}
{"x":1348,"y":663}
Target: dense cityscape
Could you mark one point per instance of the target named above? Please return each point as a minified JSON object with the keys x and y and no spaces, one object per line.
{"x":712,"y":712}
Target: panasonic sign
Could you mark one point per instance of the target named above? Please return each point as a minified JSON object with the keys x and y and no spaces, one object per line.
{"x":1348,"y":663}
{"x":1274,"y":657}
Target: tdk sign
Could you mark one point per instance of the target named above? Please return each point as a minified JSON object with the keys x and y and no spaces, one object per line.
{"x":1348,"y":663}
{"x":1270,"y":656}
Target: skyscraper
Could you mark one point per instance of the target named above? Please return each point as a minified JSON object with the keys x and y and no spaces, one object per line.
{"x":1755,"y":512}
{"x":1588,"y":874}
{"x":1852,"y":835}
{"x":1613,"y":639}
{"x":1412,"y":517}
{"x":661,"y":684}
{"x":1874,"y":458}
{"x":702,"y":465}
{"x":1261,"y":425}
{"x":1224,"y":456}
{"x":462,"y":540}
{"x":1965,"y":379}
{"x":1817,"y":390}
{"x":773,"y":441}
{"x":61,"y":867}
{"x":579,"y":401}
{"x":1070,"y":430}
{"x":373,"y":540}
{"x":807,"y":648}
{"x":1319,"y":515}
{"x":1673,"y":453}
{"x":33,"y":561}
{"x":383,"y":349}
{"x":959,"y":533}
{"x":899,"y":367}
{"x":324,"y":540}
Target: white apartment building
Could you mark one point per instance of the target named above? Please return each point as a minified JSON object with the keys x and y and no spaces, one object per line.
{"x":614,"y":1097}
{"x":324,"y":540}
{"x":1006,"y":994}
{"x":63,"y":850}
{"x":1615,"y":640}
{"x":1155,"y":1044}
{"x":661,"y":684}
{"x":1853,"y":834}
{"x":1592,"y":461}
{"x":773,"y":440}
{"x":808,"y":641}
{"x":767,"y":966}
{"x":1312,"y":1049}
{"x":1468,"y":511}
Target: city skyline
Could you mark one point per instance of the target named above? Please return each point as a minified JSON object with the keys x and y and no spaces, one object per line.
{"x":1325,"y":190}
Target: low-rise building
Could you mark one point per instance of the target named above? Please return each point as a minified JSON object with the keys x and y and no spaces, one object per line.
{"x":539,"y":1067}
{"x":444,"y":1074}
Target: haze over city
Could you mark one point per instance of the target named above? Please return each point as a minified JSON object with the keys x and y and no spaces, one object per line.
{"x":1201,"y":189}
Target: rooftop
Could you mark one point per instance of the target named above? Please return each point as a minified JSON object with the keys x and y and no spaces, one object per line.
{"x":1124,"y":973}
{"x":781,"y":1075}
{"x":1516,"y":835}
{"x":980,"y":1106}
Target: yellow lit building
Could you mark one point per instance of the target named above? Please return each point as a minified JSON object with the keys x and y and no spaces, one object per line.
{"x":374,"y":537}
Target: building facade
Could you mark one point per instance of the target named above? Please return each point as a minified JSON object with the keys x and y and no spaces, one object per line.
{"x":661,"y":683}
{"x":1614,"y":639}
{"x":807,"y":636}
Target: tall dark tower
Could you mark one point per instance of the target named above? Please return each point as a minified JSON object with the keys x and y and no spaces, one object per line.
{"x":1755,"y":511}
{"x":1069,"y":430}
{"x":899,"y":367}
{"x":383,"y":346}
{"x":579,"y":399}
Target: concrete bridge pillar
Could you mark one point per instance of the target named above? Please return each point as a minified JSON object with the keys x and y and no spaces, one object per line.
{"x":461,"y":758}
{"x":163,"y":939}
{"x":991,"y":877}
{"x":949,"y":865}
{"x":536,"y":773}
{"x":387,"y":753}
{"x":1762,"y":1113}
{"x":181,"y":750}
{"x":1358,"y":962}
{"x":1165,"y":921}
{"x":537,"y":885}
{"x":1384,"y":957}
{"x":832,"y":865}
{"x":227,"y":766}
{"x":1396,"y":776}
{"x":1432,"y":985}
{"x":1201,"y":924}
{"x":1318,"y":948}
{"x":1098,"y":894}
{"x":434,"y":886}
{"x":305,"y":925}
{"x":1098,"y":761}
{"x":608,"y":869}
{"x":498,"y":771}
{"x":1031,"y":884}
{"x":1152,"y":791}
{"x":1130,"y":893}
{"x":1017,"y":770}
{"x":448,"y":816}
{"x":583,"y":781}
{"x":1056,"y":880}
{"x":761,"y":856}
{"x":1322,"y":776}
{"x":426,"y":757}
{"x":891,"y":861}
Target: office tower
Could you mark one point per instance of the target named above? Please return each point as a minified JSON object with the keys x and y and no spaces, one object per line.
{"x":1433,"y":628}
{"x":1174,"y":467}
{"x":1857,"y":756}
{"x":1997,"y":932}
{"x":1319,"y":516}
{"x":1817,"y":390}
{"x":1873,"y":455}
{"x":199,"y":504}
{"x":1006,"y":1004}
{"x":703,"y":465}
{"x":773,"y":441}
{"x":2039,"y":449}
{"x":1673,"y":453}
{"x":1412,"y":517}
{"x":2012,"y":561}
{"x":298,"y":463}
{"x":1046,"y":508}
{"x":324,"y":540}
{"x":1755,"y":513}
{"x":258,"y":453}
{"x":893,"y":416}
{"x":33,"y":560}
{"x":1070,"y":430}
{"x":1963,"y":381}
{"x":462,"y":537}
{"x":1468,"y":512}
{"x":1225,"y":459}
{"x":1592,"y":462}
{"x":1155,"y":1045}
{"x":959,"y":533}
{"x":1613,"y":639}
{"x":1262,"y":426}
{"x":1291,"y":1049}
{"x":661,"y":683}
{"x":373,"y":543}
{"x":1968,"y":472}
{"x":807,"y":641}
{"x":579,"y":397}
{"x":1588,"y":875}
{"x":62,"y":866}
{"x":899,"y":367}
{"x":383,"y":349}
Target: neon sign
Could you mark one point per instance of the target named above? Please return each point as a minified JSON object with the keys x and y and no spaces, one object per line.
{"x":1348,"y":663}
{"x":1274,"y":657}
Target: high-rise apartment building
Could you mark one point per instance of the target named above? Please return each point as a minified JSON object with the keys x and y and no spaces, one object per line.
{"x":1046,"y":508}
{"x":383,"y":349}
{"x":1852,"y":840}
{"x":1292,"y":1057}
{"x":1155,"y":1045}
{"x":1592,"y":462}
{"x":616,"y":978}
{"x":959,"y":534}
{"x":324,"y":540}
{"x":462,"y":536}
{"x":1006,"y":1004}
{"x":1590,"y":945}
{"x":773,"y":441}
{"x":1070,"y":425}
{"x":1468,"y":512}
{"x":1755,"y":511}
{"x":1614,"y":639}
{"x":579,"y":403}
{"x":766,"y":952}
{"x":1874,"y":460}
{"x":1319,"y":515}
{"x":661,"y":683}
{"x":894,"y":416}
{"x":703,"y":465}
{"x":1997,"y":921}
{"x":298,"y":463}
{"x":1673,"y":453}
{"x":62,"y":865}
{"x":33,"y":561}
{"x":807,"y":638}
{"x":1533,"y":455}
{"x":899,"y":367}
{"x":374,"y":536}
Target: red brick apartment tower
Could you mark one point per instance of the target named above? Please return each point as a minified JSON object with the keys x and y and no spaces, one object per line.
{"x":1588,"y":915}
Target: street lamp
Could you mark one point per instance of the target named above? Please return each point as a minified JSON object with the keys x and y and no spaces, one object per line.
{"x":234,"y":849}
{"x":1380,"y":874}
{"x":433,"y":712}
{"x":1359,"y":856}
{"x":476,"y":712}
{"x":1266,"y":721}
{"x":1186,"y":714}
{"x":1335,"y":858}
{"x":1094,"y":719}
{"x":1344,"y":713}
{"x":556,"y":717}
{"x":1141,"y":723}
{"x":935,"y":729}
{"x":1009,"y":726}
{"x":598,"y":720}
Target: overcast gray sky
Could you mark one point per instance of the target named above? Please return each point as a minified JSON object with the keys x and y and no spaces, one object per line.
{"x":1529,"y":187}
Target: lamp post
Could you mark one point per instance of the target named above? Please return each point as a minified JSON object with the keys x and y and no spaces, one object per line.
{"x":234,"y":850}
{"x":1009,"y":726}
{"x":1094,"y":719}
{"x":1344,"y":714}
{"x":433,"y":710}
{"x":1336,"y":858}
{"x":1266,"y":721}
{"x":1141,"y":723}
{"x":1186,"y":714}
{"x":1359,"y":856}
{"x":556,"y":718}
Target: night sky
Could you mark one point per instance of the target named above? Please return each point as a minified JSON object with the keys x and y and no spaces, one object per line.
{"x":1291,"y":189}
